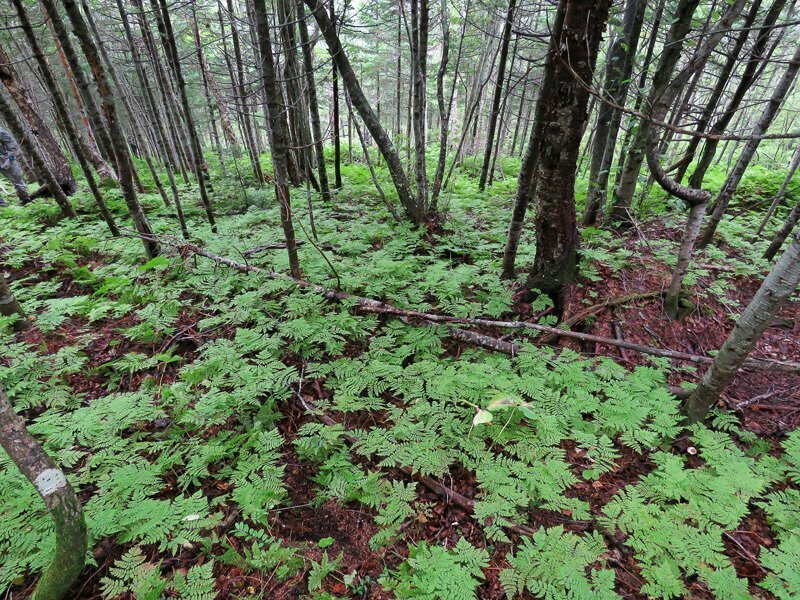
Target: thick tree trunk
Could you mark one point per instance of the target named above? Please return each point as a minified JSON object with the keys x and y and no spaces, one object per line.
{"x":279,"y":129}
{"x":563,"y":117}
{"x":9,"y":307}
{"x":619,"y":67}
{"x":63,"y":113}
{"x":58,"y":496}
{"x":51,"y":151}
{"x":116,"y":138}
{"x":748,"y":152}
{"x":361,"y":104}
{"x":779,"y":285}
{"x":681,"y":26}
{"x":527,"y":181}
{"x":498,"y":92}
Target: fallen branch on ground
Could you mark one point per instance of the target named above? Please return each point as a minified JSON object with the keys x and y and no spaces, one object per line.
{"x":265,"y":247}
{"x":378,"y":307}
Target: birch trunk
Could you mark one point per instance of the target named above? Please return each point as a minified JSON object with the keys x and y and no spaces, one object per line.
{"x":779,"y":285}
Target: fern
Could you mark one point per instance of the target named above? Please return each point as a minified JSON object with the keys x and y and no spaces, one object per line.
{"x":436,"y":573}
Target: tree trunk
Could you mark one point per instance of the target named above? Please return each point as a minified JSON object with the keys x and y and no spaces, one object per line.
{"x":63,"y":113}
{"x":51,"y":151}
{"x":164,"y":141}
{"x":337,"y":144}
{"x":793,"y":166}
{"x":279,"y":129}
{"x":58,"y":496}
{"x":681,"y":26}
{"x":619,"y":67}
{"x":498,"y":92}
{"x":748,"y":152}
{"x":9,"y":307}
{"x":712,"y":104}
{"x":419,"y":67}
{"x":361,"y":104}
{"x":748,"y":78}
{"x":313,"y":103}
{"x":164,"y":24}
{"x":241,"y":99}
{"x":563,"y":117}
{"x":779,"y":285}
{"x":39,"y":164}
{"x":117,"y":140}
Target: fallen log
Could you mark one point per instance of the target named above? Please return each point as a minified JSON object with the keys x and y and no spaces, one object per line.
{"x":378,"y":307}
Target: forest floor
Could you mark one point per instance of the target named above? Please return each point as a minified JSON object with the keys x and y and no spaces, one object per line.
{"x":232,"y":435}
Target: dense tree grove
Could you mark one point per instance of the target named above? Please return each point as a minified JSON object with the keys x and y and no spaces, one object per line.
{"x":399,"y":299}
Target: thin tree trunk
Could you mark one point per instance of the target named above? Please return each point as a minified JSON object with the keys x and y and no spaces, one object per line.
{"x":313,"y":103}
{"x":62,"y":112}
{"x":419,"y":66}
{"x":748,"y":152}
{"x":619,"y":67}
{"x":498,"y":92}
{"x":337,"y":144}
{"x":168,"y":152}
{"x":681,"y":26}
{"x":51,"y":151}
{"x":279,"y":129}
{"x":164,"y":24}
{"x":116,"y":138}
{"x":241,"y":99}
{"x":361,"y":104}
{"x":793,"y":166}
{"x":783,"y":233}
{"x":716,"y":94}
{"x":779,"y":285}
{"x":748,"y":78}
{"x":39,"y":164}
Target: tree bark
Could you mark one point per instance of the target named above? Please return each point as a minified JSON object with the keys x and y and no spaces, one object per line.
{"x":681,"y":26}
{"x":574,"y":49}
{"x":619,"y":67}
{"x":58,"y":496}
{"x":51,"y":151}
{"x":9,"y":306}
{"x":748,"y":152}
{"x":279,"y":129}
{"x":498,"y":92}
{"x":117,"y":140}
{"x":361,"y":104}
{"x":164,"y":24}
{"x":61,"y":110}
{"x":337,"y":143}
{"x":313,"y":103}
{"x":779,"y":285}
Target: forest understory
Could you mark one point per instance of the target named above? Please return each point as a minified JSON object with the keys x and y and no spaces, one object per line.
{"x":377,"y":299}
{"x":237,"y":433}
